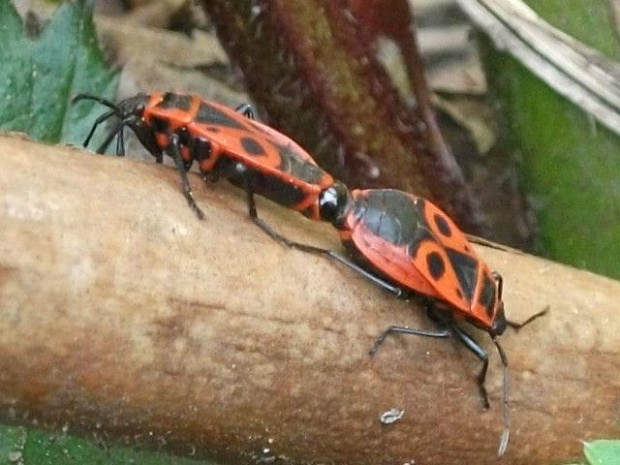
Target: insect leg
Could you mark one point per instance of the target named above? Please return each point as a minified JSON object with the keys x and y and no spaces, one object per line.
{"x":474,"y":347}
{"x":397,"y":291}
{"x":441,"y":333}
{"x":173,"y":150}
{"x":118,"y":128}
{"x":310,"y":248}
{"x":246,"y":110}
{"x":120,"y":143}
{"x":98,"y":121}
{"x":247,"y":181}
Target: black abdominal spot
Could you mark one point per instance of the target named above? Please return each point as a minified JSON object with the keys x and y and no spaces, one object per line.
{"x":435,"y":264}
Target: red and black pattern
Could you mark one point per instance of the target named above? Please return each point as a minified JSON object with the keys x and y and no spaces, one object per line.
{"x":225,"y":143}
{"x":402,"y":242}
{"x":417,"y":246}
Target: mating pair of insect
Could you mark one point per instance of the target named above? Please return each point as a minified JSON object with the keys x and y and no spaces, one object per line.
{"x":399,"y":241}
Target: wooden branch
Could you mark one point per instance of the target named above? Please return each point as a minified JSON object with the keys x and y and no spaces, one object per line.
{"x":121,"y":313}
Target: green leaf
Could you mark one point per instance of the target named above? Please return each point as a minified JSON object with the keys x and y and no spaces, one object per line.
{"x":602,"y":452}
{"x":569,"y":164}
{"x":15,"y":72}
{"x":19,"y":445}
{"x":39,"y":77}
{"x":12,"y":440}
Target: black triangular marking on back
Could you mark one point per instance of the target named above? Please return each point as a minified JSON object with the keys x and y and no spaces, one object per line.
{"x":208,"y":114}
{"x":175,"y":101}
{"x":466,"y":269}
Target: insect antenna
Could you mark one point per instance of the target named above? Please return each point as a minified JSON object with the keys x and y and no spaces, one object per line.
{"x":503,"y":443}
{"x":114,"y":110}
{"x":96,"y":98}
{"x":535,"y":316}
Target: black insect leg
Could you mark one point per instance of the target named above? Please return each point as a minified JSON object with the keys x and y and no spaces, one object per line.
{"x":309,"y":248}
{"x":264,"y":226}
{"x":98,"y":121}
{"x":117,"y":129}
{"x":397,"y":291}
{"x":474,"y":347}
{"x":246,"y":110}
{"x":441,"y":333}
{"x":120,"y":143}
{"x":174,"y":151}
{"x":479,"y":352}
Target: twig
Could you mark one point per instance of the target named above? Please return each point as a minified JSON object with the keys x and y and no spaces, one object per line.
{"x":123,"y":314}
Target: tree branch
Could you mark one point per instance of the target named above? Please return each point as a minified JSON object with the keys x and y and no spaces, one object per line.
{"x":121,"y":313}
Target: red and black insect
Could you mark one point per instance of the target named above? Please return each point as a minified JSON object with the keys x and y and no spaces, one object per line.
{"x":407,"y":244}
{"x":229,"y":144}
{"x":401,"y":242}
{"x":226,"y":143}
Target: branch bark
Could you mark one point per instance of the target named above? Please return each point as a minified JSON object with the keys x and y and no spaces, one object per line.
{"x":122,"y":313}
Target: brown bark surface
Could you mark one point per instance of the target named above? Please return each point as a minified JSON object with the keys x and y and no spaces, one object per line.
{"x":121,"y":312}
